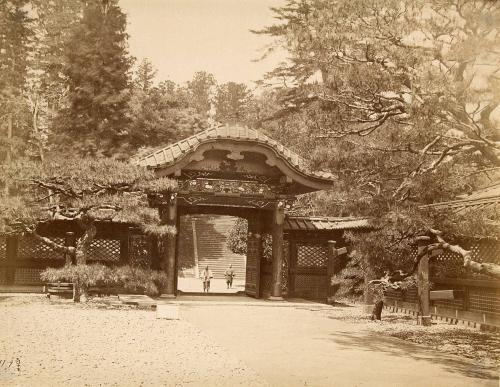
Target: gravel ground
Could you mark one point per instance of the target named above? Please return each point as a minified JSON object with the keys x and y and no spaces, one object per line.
{"x":47,"y":343}
{"x":470,"y":343}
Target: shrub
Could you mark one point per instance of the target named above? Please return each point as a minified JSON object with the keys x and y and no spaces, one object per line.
{"x":85,"y":275}
{"x":136,"y":279}
{"x":133,"y":279}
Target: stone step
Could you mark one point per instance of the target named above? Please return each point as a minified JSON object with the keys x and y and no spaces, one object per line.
{"x":211,"y":240}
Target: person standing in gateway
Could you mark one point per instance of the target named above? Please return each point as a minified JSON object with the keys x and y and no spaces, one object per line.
{"x":206,"y":275}
{"x":229,"y":276}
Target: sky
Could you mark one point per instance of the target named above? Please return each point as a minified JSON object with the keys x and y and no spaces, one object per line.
{"x":181,"y":37}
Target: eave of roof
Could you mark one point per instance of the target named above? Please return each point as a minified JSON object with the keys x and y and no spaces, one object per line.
{"x":488,"y":200}
{"x":173,"y":153}
{"x":304,"y":223}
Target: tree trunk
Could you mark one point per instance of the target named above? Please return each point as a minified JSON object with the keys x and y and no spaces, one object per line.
{"x":377,"y":310}
{"x":84,"y":242}
{"x":76,"y":291}
{"x":80,"y":291}
{"x":8,"y":157}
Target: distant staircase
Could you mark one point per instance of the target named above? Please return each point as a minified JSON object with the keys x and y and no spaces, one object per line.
{"x":210,"y":246}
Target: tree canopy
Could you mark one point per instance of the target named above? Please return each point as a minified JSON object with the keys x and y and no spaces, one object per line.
{"x":400,"y":100}
{"x":83,"y":190}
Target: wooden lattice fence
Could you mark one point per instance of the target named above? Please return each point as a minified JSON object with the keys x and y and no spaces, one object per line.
{"x":481,"y":295}
{"x":308,"y":269}
{"x":22,"y":258}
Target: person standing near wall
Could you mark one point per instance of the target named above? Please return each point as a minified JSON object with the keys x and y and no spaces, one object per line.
{"x":229,"y":276}
{"x":206,"y":275}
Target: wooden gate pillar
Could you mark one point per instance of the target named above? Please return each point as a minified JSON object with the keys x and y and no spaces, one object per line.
{"x":331,"y":271}
{"x":277,"y":233}
{"x":254,"y":256}
{"x":168,"y":215}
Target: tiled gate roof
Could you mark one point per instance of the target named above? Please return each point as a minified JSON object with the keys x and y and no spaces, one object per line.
{"x":172,"y":153}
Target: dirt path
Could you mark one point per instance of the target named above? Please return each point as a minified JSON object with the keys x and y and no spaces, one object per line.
{"x":301,"y":347}
{"x":214,"y":344}
{"x":69,"y":345}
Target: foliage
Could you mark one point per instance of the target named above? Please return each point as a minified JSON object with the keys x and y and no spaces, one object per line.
{"x":136,"y":279}
{"x":105,"y":188}
{"x":200,"y":90}
{"x":350,"y":281}
{"x":133,"y":279}
{"x":160,"y":114}
{"x":16,"y":36}
{"x":82,"y":190}
{"x":97,"y":72}
{"x":231,"y":102}
{"x":237,"y":240}
{"x":399,"y":99}
{"x":86,"y":275}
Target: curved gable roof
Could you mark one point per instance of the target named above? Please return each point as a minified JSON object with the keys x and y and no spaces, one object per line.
{"x":174,"y":153}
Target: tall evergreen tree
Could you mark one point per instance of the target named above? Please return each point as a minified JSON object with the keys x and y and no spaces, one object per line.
{"x":15,"y":39}
{"x":97,"y":69}
{"x":46,"y":90}
{"x":231,"y":102}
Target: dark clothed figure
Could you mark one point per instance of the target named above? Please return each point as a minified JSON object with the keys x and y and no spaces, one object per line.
{"x":229,"y":276}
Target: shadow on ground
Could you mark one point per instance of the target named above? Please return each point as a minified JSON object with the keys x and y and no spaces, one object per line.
{"x":400,"y":348}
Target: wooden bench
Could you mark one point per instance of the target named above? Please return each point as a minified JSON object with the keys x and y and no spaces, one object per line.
{"x":66,"y":288}
{"x":58,"y":288}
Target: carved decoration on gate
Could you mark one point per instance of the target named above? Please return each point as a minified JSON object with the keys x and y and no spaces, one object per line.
{"x":194,"y":199}
{"x":226,"y":186}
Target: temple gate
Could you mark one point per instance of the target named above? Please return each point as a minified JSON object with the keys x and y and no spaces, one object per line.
{"x":240,"y":172}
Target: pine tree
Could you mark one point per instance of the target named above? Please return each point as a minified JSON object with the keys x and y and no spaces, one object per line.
{"x":97,"y":69}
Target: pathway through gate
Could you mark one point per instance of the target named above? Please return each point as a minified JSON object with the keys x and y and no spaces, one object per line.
{"x":203,"y":242}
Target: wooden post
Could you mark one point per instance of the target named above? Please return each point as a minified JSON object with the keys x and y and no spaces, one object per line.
{"x":168,"y":215}
{"x":330,"y":271}
{"x":12,"y":245}
{"x":69,"y":241}
{"x":292,"y":266}
{"x":125,"y":245}
{"x":423,"y":287}
{"x":277,"y":233}
{"x":155,"y":259}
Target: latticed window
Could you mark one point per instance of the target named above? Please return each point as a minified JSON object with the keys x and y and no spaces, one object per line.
{"x":312,"y":255}
{"x":104,"y":250}
{"x":25,"y":276}
{"x":31,"y":248}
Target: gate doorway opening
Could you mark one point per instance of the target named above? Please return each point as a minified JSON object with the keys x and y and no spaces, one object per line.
{"x":204,"y":240}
